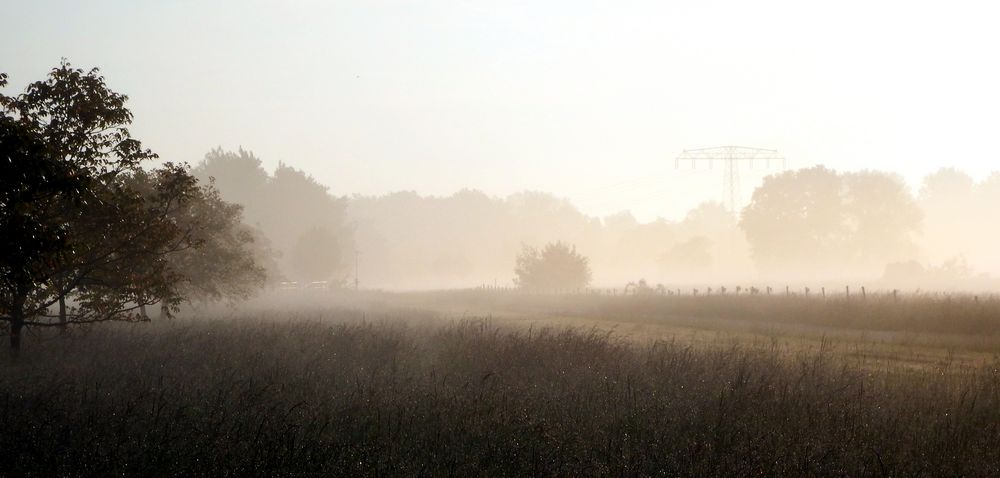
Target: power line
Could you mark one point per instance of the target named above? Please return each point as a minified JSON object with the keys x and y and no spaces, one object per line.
{"x":731,"y":157}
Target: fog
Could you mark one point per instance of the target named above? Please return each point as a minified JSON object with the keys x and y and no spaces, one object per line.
{"x":406,"y":145}
{"x":812,"y":227}
{"x":499,"y":238}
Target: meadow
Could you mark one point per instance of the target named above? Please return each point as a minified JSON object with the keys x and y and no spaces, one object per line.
{"x":380,"y":386}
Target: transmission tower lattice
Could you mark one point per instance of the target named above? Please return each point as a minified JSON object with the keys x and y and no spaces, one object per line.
{"x":730,"y":157}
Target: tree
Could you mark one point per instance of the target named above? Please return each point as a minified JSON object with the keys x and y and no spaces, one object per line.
{"x":77,"y":226}
{"x":316,"y":255}
{"x":795,"y":219}
{"x":283,"y":206}
{"x":32,"y":237}
{"x":947,"y":187}
{"x":691,"y":258}
{"x":952,"y":217}
{"x":883,"y":218}
{"x":83,"y":221}
{"x":557,"y":266}
{"x":816,"y":220}
{"x":239,"y":177}
{"x":228,"y":262}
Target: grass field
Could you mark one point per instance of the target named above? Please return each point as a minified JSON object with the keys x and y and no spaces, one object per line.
{"x":481,"y":385}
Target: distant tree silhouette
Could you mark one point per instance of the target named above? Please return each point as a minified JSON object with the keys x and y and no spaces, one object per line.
{"x":947,"y":185}
{"x":815,"y":220}
{"x":709,"y":219}
{"x":284,"y":206}
{"x":316,"y":255}
{"x":240,"y":178}
{"x":954,"y":215}
{"x":990,"y":188}
{"x":469,"y":237}
{"x":687,"y":258}
{"x":796,"y":219}
{"x":231,"y":260}
{"x":883,"y":218}
{"x":557,"y":266}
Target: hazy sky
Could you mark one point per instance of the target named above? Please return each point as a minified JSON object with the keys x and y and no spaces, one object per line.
{"x":589,"y":100}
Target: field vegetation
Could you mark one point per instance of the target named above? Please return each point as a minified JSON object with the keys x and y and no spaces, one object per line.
{"x":389,"y":389}
{"x":317,"y":378}
{"x":937,"y":313}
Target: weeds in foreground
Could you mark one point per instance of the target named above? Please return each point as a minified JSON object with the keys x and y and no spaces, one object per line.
{"x":250,"y":396}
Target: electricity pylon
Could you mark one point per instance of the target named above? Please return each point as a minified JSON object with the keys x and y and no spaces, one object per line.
{"x":731,"y":157}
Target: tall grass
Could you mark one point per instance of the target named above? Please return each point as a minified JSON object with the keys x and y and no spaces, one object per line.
{"x":932,"y":313}
{"x":283,"y":396}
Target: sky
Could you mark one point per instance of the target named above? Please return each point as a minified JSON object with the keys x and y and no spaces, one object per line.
{"x":588,"y":100}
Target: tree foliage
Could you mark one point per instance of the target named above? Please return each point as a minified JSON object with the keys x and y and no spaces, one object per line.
{"x":230,"y":259}
{"x":316,"y":255}
{"x":284,"y":206}
{"x":557,"y":266}
{"x":83,"y":221}
{"x":821,"y":221}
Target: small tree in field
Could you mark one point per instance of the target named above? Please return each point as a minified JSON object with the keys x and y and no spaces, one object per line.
{"x":557,"y":266}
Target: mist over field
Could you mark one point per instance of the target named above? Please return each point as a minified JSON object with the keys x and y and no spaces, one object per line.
{"x":471,"y":238}
{"x":807,"y":227}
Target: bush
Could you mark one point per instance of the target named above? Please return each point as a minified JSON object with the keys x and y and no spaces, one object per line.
{"x":557,"y":266}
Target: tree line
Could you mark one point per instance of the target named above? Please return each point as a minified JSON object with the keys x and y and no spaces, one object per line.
{"x":96,"y":228}
{"x":800,"y":225}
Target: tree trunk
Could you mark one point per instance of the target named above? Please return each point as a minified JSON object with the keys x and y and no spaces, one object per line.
{"x":16,"y":325}
{"x":142,"y":312}
{"x":15,"y":335}
{"x":62,"y":312}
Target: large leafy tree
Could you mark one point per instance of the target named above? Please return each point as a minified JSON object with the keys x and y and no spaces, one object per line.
{"x":883,"y":218}
{"x":818,"y":221}
{"x":83,"y":222}
{"x":557,"y":266}
{"x":35,"y":189}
